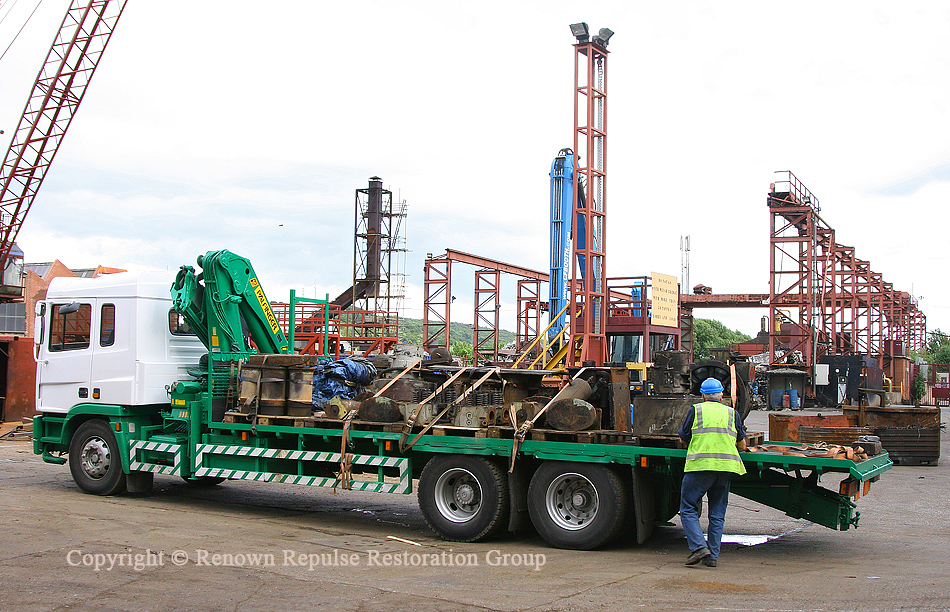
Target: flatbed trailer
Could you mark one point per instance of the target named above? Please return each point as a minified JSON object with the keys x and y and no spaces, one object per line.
{"x":576,"y":494}
{"x":124,"y":393}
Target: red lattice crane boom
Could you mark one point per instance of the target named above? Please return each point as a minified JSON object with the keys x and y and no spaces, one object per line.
{"x":56,"y":95}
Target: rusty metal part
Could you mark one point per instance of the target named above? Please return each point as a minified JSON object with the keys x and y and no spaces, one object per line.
{"x":273,"y":390}
{"x":571,"y":414}
{"x":475,"y":416}
{"x":439,"y":356}
{"x":896,"y":416}
{"x":522,"y":431}
{"x":398,"y":377}
{"x":339,"y":408}
{"x":842,"y":436}
{"x":403,"y":445}
{"x":381,"y":409}
{"x":661,"y":416}
{"x":578,"y":388}
{"x":299,"y":391}
{"x":402,"y":390}
{"x":724,"y":300}
{"x":419,"y":414}
{"x":670,"y":372}
{"x":911,"y":445}
{"x":532,"y":406}
{"x":250,"y":389}
{"x":412,"y":419}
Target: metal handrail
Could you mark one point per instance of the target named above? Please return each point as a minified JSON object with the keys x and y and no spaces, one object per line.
{"x":543,"y":334}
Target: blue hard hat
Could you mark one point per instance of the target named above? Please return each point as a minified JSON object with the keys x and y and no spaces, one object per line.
{"x":710,"y":385}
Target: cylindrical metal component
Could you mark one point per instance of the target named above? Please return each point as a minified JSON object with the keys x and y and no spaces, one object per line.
{"x":373,"y":228}
{"x":380,"y":409}
{"x":578,"y":388}
{"x":250,"y":379}
{"x":299,"y":391}
{"x":273,"y":391}
{"x":570,"y":414}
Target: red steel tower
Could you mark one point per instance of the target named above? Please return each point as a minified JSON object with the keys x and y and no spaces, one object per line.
{"x":589,"y":281}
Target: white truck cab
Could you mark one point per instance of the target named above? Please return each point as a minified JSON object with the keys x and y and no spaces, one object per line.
{"x":113,"y":340}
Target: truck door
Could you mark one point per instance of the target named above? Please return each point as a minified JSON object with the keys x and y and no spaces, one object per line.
{"x":113,"y":364}
{"x":64,"y":366}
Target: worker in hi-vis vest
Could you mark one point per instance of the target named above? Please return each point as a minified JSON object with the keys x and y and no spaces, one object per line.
{"x":715,"y":435}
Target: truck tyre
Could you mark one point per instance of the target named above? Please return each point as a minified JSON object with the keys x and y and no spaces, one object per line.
{"x":94,"y":459}
{"x":579,"y":506}
{"x":464,"y":498}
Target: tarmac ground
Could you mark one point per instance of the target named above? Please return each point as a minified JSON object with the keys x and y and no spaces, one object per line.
{"x":245,"y":546}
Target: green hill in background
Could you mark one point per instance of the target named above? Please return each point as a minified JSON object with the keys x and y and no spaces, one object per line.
{"x":410,"y":330}
{"x":707,"y":334}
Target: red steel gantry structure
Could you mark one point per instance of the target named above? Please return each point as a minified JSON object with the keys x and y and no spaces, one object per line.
{"x":823,"y":300}
{"x":437,"y":298}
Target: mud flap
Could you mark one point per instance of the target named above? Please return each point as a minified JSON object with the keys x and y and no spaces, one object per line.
{"x":518,"y":519}
{"x":139,"y":482}
{"x":644,"y":503}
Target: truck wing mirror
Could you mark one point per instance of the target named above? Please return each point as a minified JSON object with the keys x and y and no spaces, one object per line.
{"x":66,"y":309}
{"x":39,"y":322}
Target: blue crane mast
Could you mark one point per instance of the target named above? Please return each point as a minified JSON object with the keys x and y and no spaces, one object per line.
{"x":562,"y":212}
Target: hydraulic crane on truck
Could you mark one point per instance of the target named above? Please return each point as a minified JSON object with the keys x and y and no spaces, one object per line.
{"x":223,"y":301}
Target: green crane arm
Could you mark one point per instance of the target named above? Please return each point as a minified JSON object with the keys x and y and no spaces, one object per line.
{"x":221,"y":300}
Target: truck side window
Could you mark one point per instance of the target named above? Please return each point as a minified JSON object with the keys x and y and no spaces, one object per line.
{"x":177,"y":325}
{"x":107,"y":325}
{"x":70,"y":331}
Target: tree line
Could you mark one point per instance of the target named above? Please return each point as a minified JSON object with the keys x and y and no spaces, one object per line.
{"x":707,"y":334}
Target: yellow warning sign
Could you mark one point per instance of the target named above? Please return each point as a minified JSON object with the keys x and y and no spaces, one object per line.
{"x":665,"y":308}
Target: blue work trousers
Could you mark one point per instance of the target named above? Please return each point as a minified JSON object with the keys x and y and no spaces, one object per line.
{"x":715,"y":486}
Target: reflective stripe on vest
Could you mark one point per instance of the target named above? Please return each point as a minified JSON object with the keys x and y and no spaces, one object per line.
{"x":729,"y":429}
{"x":712,"y":446}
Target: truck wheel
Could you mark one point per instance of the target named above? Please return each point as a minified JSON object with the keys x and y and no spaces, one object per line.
{"x":579,"y":506}
{"x":464,"y":498}
{"x":94,"y":459}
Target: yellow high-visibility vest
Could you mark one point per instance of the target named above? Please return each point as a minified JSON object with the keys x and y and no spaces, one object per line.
{"x":712,"y":446}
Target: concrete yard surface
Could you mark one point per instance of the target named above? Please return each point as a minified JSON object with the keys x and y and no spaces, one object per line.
{"x":244,"y":546}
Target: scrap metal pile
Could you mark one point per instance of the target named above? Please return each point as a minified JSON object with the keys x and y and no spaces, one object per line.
{"x":858,"y":450}
{"x":434,"y":391}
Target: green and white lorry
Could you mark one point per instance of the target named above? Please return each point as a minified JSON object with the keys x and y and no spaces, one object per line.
{"x":142,"y":374}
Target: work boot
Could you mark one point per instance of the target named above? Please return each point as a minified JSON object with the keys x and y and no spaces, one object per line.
{"x":709,"y":562}
{"x":697,"y":555}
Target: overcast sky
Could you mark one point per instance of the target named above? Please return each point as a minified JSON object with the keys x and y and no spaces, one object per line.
{"x":248,"y":126}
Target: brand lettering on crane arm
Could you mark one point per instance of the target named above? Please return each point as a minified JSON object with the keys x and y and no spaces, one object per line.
{"x":566,"y":264}
{"x":268,"y":313}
